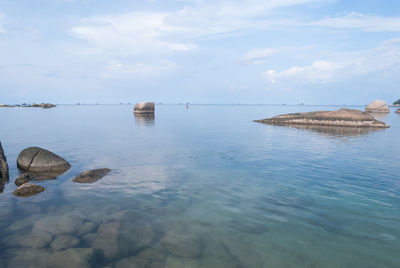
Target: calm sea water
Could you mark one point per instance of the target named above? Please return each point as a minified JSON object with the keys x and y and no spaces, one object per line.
{"x":204,"y":187}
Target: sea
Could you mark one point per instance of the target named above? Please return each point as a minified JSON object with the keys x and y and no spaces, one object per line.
{"x":202,"y":186}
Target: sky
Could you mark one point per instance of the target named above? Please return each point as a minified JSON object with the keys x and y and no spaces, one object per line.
{"x":200,"y":51}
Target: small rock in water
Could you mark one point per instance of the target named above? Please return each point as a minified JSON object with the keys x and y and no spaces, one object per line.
{"x":28,"y":189}
{"x":64,"y":242}
{"x":377,"y":106}
{"x":182,"y":244}
{"x":107,"y":239}
{"x":21,"y":179}
{"x":91,"y":176}
{"x":35,"y":159}
{"x":72,"y":258}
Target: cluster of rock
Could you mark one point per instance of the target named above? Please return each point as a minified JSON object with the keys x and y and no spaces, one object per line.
{"x":144,"y":108}
{"x":34,"y":105}
{"x":340,"y":118}
{"x":39,"y":164}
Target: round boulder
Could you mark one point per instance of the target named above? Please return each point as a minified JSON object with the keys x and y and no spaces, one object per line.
{"x":35,"y":159}
{"x":377,"y":106}
{"x":144,"y":108}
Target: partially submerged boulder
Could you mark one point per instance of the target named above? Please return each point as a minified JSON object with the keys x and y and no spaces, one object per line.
{"x":35,"y":159}
{"x":91,"y":176}
{"x":144,"y":108}
{"x":377,"y":106}
{"x":340,"y":118}
{"x":28,"y":189}
{"x":3,"y":165}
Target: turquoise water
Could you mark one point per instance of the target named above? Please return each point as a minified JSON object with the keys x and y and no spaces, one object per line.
{"x":204,"y":187}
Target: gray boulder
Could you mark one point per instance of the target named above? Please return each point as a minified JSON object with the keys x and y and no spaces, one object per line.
{"x":3,"y":165}
{"x":91,"y":176}
{"x":144,"y":108}
{"x":28,"y":189}
{"x":35,"y":159}
{"x":377,"y":106}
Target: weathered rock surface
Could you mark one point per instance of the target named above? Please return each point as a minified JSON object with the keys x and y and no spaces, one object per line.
{"x":57,"y":225}
{"x":86,"y":227}
{"x":144,"y":108}
{"x":32,"y":240}
{"x":182,"y":244}
{"x":377,"y":106}
{"x":21,"y":179}
{"x":3,"y":165}
{"x":72,"y":258}
{"x":35,"y":159}
{"x":340,"y":118}
{"x":64,"y":242}
{"x":91,"y":176}
{"x":107,"y":239}
{"x":28,"y":189}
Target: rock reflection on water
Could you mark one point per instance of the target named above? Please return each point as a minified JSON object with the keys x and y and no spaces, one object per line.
{"x":335,"y":131}
{"x":144,"y":119}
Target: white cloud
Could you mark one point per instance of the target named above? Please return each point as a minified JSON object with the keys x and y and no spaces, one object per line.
{"x":342,"y":66}
{"x":2,"y":30}
{"x":260,"y":55}
{"x":362,"y":22}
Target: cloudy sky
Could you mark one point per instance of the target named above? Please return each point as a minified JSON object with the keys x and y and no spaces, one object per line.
{"x":200,"y":51}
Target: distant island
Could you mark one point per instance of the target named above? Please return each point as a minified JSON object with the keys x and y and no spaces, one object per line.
{"x":397,"y":102}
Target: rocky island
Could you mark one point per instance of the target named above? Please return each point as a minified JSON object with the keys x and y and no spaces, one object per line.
{"x":34,"y":105}
{"x":144,"y":108}
{"x":340,"y":118}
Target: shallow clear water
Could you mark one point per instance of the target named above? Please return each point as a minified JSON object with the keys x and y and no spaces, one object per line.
{"x":204,"y":187}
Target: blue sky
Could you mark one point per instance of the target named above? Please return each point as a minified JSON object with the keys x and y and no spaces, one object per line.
{"x":200,"y":51}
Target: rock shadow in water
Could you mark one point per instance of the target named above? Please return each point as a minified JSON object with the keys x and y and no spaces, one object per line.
{"x":144,"y":119}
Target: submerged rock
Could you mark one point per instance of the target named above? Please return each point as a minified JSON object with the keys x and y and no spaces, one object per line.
{"x":72,"y":258}
{"x":133,"y":236}
{"x":340,"y":118}
{"x":377,"y":106}
{"x":32,"y":240}
{"x":64,"y":242}
{"x":35,"y":159}
{"x":107,"y":239}
{"x":182,"y":244}
{"x":21,"y":179}
{"x":28,"y":189}
{"x":144,"y":108}
{"x":91,"y":176}
{"x":57,"y":225}
{"x":3,"y":165}
{"x":27,"y":257}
